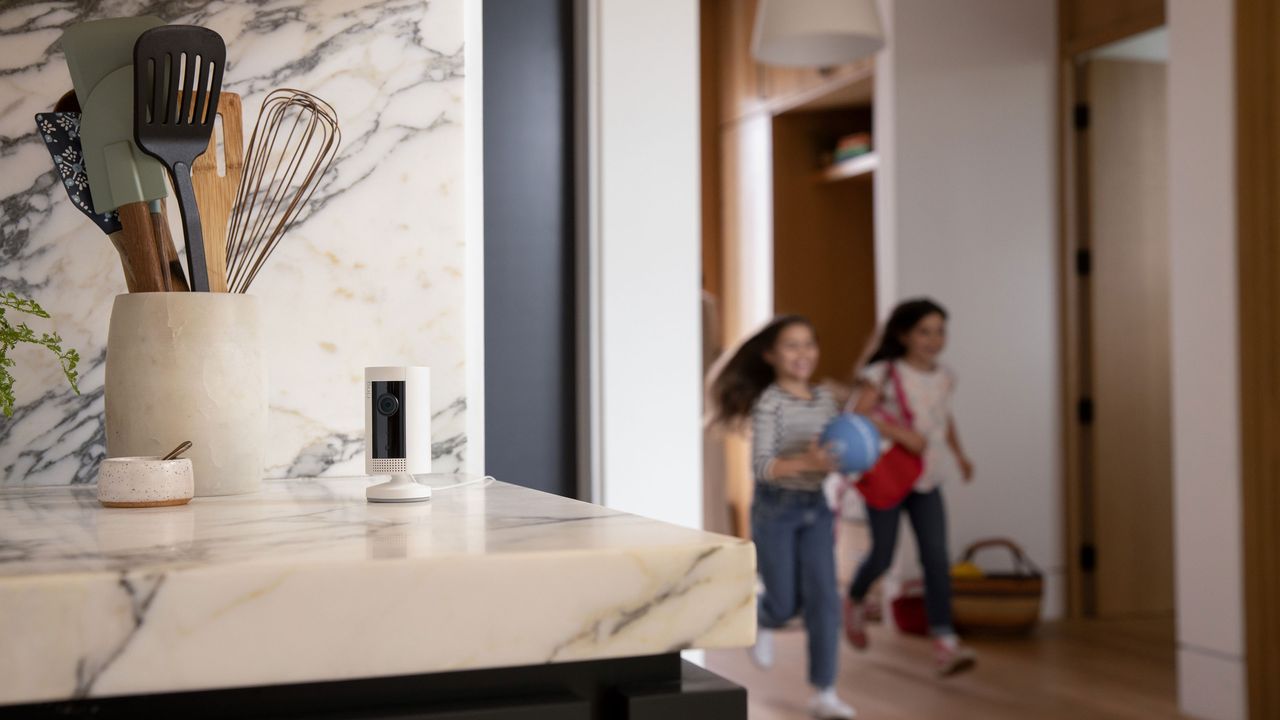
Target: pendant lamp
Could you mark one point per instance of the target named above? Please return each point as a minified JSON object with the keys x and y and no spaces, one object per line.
{"x":816,"y":33}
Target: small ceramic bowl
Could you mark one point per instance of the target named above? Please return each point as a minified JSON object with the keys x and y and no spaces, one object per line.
{"x":137,"y":482}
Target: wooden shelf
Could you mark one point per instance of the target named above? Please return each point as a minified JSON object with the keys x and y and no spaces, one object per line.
{"x":860,"y":166}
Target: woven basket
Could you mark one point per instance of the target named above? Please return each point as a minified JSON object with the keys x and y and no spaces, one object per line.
{"x":998,"y":602}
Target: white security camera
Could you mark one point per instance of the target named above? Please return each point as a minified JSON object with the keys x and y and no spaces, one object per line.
{"x":397,"y":431}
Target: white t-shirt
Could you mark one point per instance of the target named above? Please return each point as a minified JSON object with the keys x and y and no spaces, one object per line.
{"x":928,"y":395}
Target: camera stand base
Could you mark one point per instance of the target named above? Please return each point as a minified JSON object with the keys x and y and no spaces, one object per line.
{"x":401,"y":488}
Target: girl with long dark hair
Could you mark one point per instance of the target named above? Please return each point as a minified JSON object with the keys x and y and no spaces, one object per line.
{"x":767,"y":381}
{"x":904,"y":369}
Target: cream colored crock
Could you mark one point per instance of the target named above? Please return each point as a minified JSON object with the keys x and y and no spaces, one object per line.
{"x":190,"y":366}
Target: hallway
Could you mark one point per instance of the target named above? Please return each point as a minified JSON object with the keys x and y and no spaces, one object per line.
{"x":1069,"y":671}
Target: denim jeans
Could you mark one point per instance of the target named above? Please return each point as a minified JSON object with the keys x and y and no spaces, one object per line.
{"x":795,"y":553}
{"x":929,"y":520}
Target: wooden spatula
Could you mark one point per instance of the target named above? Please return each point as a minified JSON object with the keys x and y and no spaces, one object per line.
{"x":215,"y":194}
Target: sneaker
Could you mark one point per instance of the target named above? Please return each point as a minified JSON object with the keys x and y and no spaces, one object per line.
{"x":762,"y":652}
{"x":826,"y":706}
{"x":951,"y":658}
{"x":855,"y":624}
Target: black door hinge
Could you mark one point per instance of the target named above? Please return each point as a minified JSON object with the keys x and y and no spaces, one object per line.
{"x":1080,"y":116}
{"x":1084,"y":262}
{"x":1084,"y":411}
{"x":1088,"y":557}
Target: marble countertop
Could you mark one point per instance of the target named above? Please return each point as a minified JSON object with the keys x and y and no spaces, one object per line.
{"x":305,"y":581}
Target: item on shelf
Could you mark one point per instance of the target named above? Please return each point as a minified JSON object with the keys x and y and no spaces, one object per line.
{"x":294,"y":141}
{"x":851,"y":146}
{"x":175,"y":128}
{"x":996,"y":602}
{"x":143,"y":482}
{"x":216,"y":193}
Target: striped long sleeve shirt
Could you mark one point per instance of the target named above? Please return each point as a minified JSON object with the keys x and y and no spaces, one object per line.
{"x":784,"y":425}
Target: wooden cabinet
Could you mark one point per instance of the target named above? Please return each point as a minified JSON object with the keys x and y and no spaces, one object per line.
{"x":1087,"y":24}
{"x":824,"y":237}
{"x":741,"y":79}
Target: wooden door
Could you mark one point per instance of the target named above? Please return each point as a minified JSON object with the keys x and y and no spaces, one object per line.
{"x":1257,"y":113}
{"x":1131,"y":479}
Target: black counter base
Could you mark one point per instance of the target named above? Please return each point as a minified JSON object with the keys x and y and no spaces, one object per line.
{"x":658,"y":687}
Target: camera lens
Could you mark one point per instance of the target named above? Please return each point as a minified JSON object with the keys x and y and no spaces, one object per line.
{"x":388,"y":404}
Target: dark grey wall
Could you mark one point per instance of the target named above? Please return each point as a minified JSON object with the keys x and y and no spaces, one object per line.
{"x":530,"y":431}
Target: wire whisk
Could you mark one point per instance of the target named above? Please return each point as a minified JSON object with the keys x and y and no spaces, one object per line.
{"x":294,"y":141}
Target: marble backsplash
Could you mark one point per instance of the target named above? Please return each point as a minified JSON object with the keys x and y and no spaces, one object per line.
{"x":372,"y":273}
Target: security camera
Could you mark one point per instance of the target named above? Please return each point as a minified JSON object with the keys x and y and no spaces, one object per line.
{"x":397,"y":431}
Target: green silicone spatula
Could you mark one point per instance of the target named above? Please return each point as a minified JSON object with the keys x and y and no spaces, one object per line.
{"x":100,"y":59}
{"x":97,"y":48}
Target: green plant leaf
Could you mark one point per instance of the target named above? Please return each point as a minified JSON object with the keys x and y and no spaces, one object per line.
{"x":12,"y":335}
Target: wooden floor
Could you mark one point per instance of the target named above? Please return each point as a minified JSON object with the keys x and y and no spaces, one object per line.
{"x":1109,"y":670}
{"x":1071,"y":671}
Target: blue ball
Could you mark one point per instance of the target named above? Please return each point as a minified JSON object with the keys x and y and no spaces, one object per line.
{"x":853,"y":440}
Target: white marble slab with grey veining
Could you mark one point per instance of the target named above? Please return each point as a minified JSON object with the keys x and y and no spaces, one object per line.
{"x":305,"y":581}
{"x":373,"y":273}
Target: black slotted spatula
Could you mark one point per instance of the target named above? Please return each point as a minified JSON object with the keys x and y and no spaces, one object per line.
{"x":177,"y":78}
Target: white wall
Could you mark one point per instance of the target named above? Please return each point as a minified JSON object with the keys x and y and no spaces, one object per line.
{"x":968,"y":90}
{"x":646,"y":256}
{"x":1205,"y":379}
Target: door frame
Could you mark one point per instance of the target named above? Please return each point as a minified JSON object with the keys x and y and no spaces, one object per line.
{"x":1072,"y":303}
{"x":530,"y":236}
{"x":1257,"y":237}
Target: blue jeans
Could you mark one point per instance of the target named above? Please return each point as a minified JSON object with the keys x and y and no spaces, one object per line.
{"x":795,"y":553}
{"x":929,"y":520}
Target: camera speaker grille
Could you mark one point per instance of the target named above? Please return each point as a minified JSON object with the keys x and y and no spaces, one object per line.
{"x":388,"y":465}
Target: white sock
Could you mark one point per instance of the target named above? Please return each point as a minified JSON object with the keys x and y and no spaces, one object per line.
{"x":950,"y":641}
{"x":762,"y":651}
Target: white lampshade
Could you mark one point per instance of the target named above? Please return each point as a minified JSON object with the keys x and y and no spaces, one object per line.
{"x":816,"y":33}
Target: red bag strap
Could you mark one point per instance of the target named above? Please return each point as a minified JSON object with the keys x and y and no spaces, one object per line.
{"x":901,"y":395}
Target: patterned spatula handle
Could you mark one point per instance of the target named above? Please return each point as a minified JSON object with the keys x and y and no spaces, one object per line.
{"x":61,"y":134}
